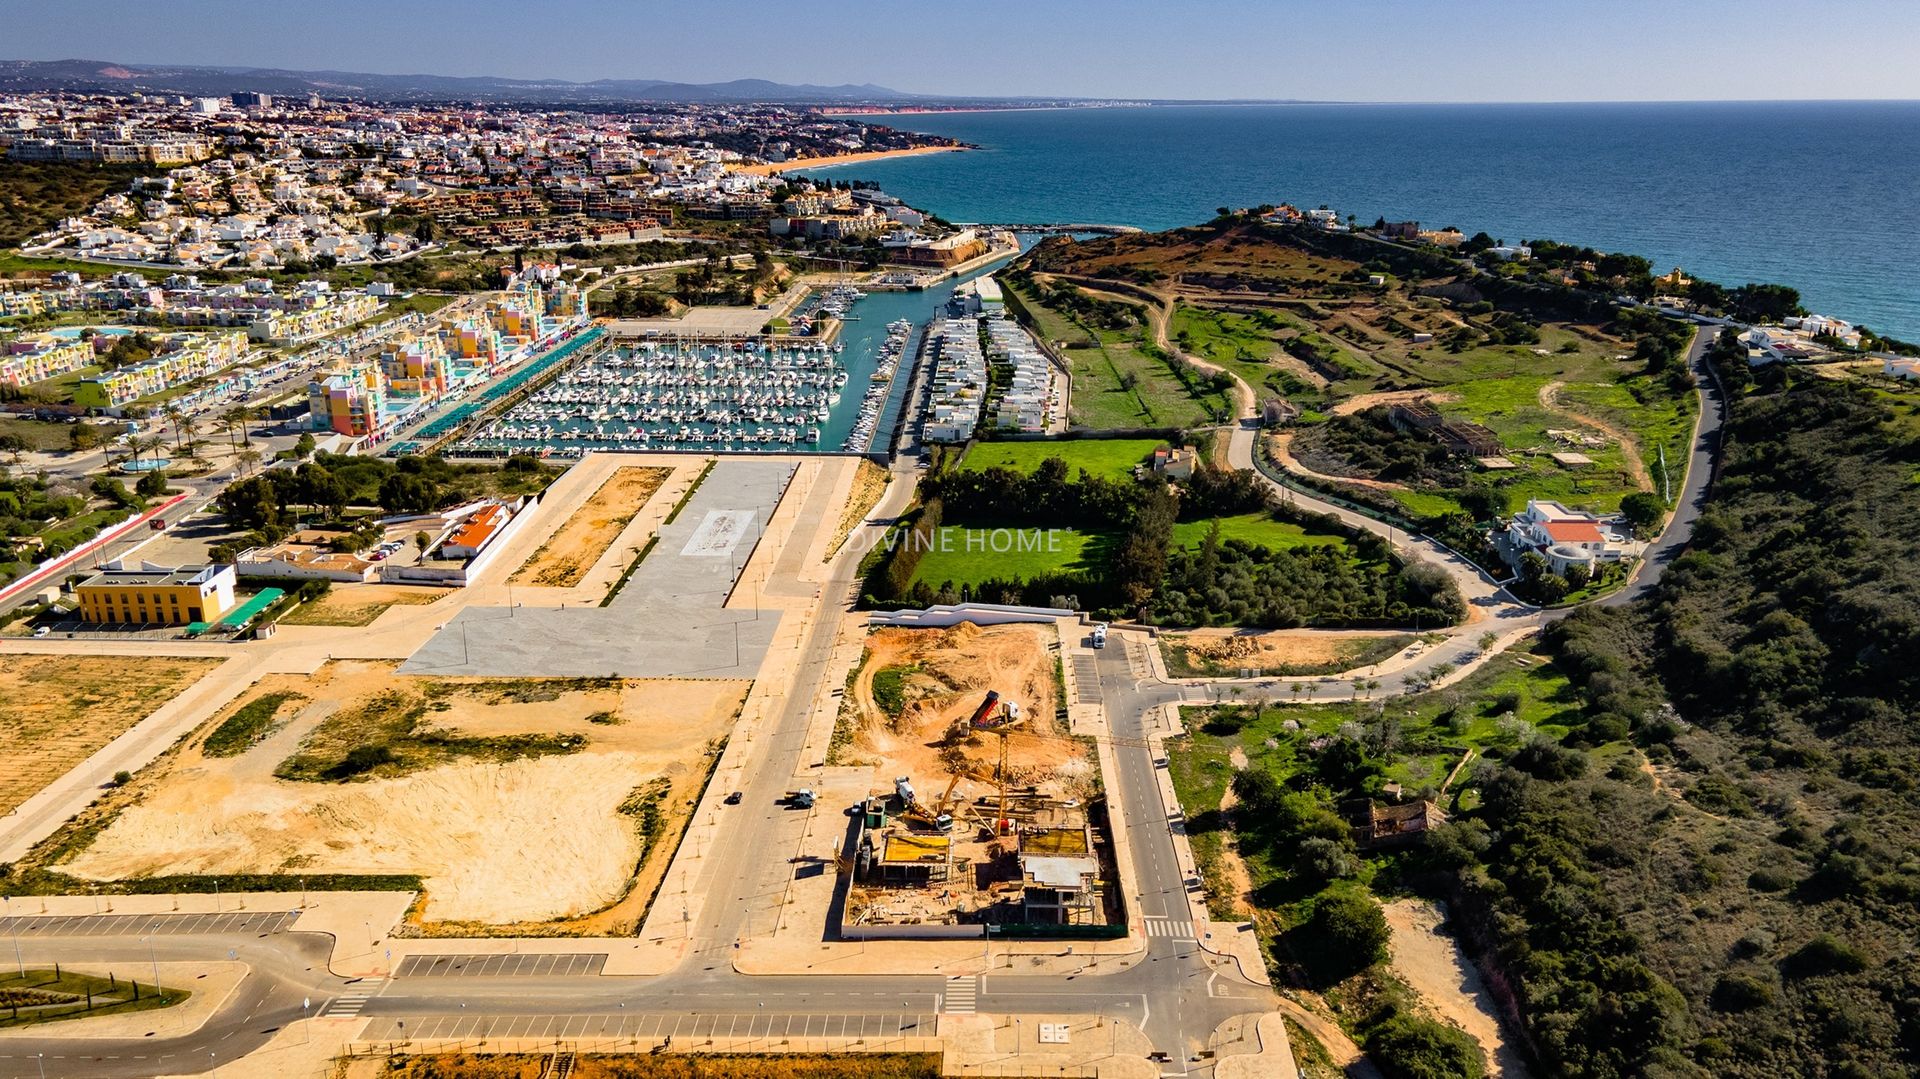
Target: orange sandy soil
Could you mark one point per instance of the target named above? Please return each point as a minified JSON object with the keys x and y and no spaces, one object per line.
{"x":567,"y":556}
{"x":957,"y":667}
{"x":538,"y":844}
{"x":56,"y":711}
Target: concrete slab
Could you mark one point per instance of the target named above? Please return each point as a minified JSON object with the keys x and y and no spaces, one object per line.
{"x":671,"y":620}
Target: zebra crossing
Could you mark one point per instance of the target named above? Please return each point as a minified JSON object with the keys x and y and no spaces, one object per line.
{"x":963,"y":995}
{"x":1176,"y":928}
{"x":347,"y":1005}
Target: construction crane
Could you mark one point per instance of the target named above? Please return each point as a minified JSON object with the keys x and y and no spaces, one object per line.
{"x":998,"y":718}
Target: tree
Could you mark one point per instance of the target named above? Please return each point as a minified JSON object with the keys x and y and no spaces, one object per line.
{"x":421,"y":540}
{"x":315,"y":485}
{"x":152,"y":484}
{"x":408,"y":493}
{"x":303,"y":448}
{"x":1406,"y":1046}
{"x":1346,"y":934}
{"x":1643,"y":511}
{"x":249,"y":458}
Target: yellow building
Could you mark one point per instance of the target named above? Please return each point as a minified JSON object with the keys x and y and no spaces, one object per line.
{"x":158,"y":595}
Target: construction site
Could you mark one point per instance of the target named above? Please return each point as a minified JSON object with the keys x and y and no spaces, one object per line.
{"x":985,"y":817}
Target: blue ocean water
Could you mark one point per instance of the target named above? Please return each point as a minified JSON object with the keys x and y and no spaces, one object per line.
{"x":1823,"y":196}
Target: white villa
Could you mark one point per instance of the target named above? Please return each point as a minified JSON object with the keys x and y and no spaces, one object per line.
{"x":1566,"y":537}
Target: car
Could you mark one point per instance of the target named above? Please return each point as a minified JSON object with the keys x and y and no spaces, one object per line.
{"x":41,"y":631}
{"x":733,"y":799}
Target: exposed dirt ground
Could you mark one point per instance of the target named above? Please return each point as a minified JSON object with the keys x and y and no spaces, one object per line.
{"x":1365,"y":401}
{"x":869,"y":483}
{"x":1433,"y":966}
{"x":56,"y":711}
{"x":564,"y":560}
{"x":527,"y":840}
{"x":957,"y":667}
{"x":360,"y":604}
{"x":1277,"y":649}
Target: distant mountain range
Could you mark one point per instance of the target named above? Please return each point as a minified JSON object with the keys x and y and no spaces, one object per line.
{"x":97,"y":76}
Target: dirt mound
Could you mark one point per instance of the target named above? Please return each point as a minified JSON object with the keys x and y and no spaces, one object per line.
{"x":951,"y":672}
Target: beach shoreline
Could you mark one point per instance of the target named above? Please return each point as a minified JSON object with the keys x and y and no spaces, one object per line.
{"x":775,"y":168}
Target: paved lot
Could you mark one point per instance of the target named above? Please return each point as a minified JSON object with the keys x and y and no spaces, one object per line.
{"x":122,"y":925}
{"x":667,"y":622}
{"x":500,"y":966}
{"x":645,"y":1026}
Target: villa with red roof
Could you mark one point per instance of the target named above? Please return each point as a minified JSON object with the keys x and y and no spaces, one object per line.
{"x":1565,"y":537}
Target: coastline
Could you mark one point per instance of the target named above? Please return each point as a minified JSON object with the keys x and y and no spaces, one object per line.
{"x":775,"y":168}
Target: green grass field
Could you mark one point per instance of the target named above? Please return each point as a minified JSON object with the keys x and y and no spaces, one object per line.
{"x":968,"y":556}
{"x":1109,"y":459}
{"x":1255,"y":528}
{"x":1435,"y":729}
{"x":1119,"y":378}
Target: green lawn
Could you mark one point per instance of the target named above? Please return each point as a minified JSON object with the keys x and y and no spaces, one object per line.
{"x":1111,"y":459}
{"x":1434,"y":729}
{"x":39,"y":996}
{"x":968,"y":556}
{"x":1255,"y":528}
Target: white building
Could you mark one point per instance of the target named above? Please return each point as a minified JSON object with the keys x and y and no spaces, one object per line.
{"x":1565,"y":537}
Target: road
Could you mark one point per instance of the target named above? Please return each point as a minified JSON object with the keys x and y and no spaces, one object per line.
{"x":1174,"y":993}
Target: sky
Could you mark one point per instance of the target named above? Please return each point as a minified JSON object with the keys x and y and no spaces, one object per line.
{"x":1347,"y":50}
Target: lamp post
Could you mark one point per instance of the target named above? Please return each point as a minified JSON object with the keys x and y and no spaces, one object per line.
{"x":153,"y":957}
{"x":14,"y":925}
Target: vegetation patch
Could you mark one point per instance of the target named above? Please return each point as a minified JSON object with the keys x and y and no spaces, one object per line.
{"x":247,"y":725}
{"x":671,"y":1066}
{"x":389,"y":735}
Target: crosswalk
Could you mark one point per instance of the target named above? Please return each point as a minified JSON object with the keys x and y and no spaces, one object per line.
{"x":963,"y":994}
{"x":1176,"y":928}
{"x":347,"y":1005}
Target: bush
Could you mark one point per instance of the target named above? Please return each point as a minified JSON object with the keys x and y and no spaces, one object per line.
{"x":1407,"y":1046}
{"x":1741,"y":992}
{"x":1823,"y":955}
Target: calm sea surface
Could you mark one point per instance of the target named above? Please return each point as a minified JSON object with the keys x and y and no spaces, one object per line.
{"x":1821,"y":196}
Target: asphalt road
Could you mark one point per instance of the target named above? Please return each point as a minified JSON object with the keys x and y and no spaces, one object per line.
{"x":1173,"y":994}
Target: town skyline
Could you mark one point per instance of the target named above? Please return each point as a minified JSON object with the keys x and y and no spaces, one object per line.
{"x":1497,"y":51}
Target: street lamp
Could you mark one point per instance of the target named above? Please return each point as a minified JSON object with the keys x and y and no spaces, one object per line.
{"x":14,"y":925}
{"x":153,"y":957}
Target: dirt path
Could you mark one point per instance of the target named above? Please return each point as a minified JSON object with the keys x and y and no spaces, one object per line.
{"x":1159,"y":315}
{"x":1629,"y":445}
{"x":1283,"y":453}
{"x":1341,"y":1048}
{"x":1432,"y":965}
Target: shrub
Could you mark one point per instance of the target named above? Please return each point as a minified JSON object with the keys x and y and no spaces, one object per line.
{"x":1741,"y":992}
{"x":1406,"y":1046}
{"x":1824,"y":954}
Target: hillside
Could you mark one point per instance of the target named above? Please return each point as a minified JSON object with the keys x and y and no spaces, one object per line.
{"x":1561,"y":397}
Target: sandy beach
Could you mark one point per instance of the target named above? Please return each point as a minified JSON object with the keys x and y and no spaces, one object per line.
{"x":842,"y":159}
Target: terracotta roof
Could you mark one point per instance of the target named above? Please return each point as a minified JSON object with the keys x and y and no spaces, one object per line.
{"x":1574,"y":532}
{"x":478,"y":528}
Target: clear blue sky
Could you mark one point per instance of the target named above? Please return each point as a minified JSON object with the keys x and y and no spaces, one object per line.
{"x":1374,"y":50}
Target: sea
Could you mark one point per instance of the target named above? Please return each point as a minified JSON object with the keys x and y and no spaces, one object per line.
{"x":1822,"y":196}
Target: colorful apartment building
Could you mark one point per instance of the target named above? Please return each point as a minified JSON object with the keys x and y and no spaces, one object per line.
{"x":415,"y":365}
{"x":42,"y":356}
{"x":153,"y":594}
{"x":352,"y":402}
{"x":329,"y":313}
{"x":181,"y":358}
{"x":515,"y":316}
{"x":474,"y":343}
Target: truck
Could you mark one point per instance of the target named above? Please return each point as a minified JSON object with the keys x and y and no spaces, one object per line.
{"x":1099,"y":634}
{"x":801,"y":799}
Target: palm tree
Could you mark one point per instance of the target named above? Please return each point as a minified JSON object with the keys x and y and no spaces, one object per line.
{"x":175,"y":414}
{"x":242,"y":415}
{"x":140,"y":444}
{"x":188,"y":426}
{"x":249,"y":457}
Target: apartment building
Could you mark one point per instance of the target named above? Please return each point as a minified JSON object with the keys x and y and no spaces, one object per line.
{"x":42,"y":356}
{"x":182,"y":357}
{"x":959,"y":383}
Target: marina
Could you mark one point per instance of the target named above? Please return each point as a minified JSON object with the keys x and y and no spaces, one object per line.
{"x":764,"y":394}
